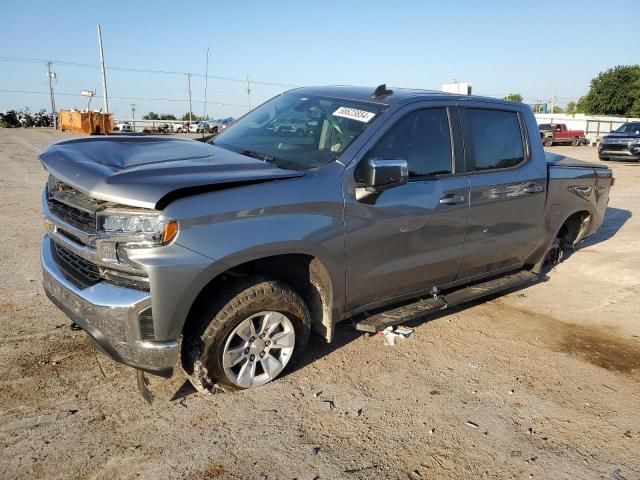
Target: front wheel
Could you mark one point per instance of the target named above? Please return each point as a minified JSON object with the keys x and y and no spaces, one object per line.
{"x":576,"y":141}
{"x":258,"y":329}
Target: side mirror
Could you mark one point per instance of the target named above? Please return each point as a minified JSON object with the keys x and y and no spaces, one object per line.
{"x":379,"y":175}
{"x":613,"y":131}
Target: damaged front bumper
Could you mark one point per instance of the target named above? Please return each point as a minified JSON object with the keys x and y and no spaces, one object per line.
{"x":110,"y":315}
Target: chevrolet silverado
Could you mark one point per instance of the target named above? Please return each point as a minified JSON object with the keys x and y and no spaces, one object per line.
{"x":221,"y":257}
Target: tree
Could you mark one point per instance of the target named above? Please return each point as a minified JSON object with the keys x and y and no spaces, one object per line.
{"x":513,"y":97}
{"x":194,"y":117}
{"x":615,"y":92}
{"x":571,"y":108}
{"x":167,"y":116}
{"x":558,"y":110}
{"x":151,"y":116}
{"x":581,"y":106}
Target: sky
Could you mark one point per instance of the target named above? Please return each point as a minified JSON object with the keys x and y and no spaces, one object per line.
{"x":532,"y":48}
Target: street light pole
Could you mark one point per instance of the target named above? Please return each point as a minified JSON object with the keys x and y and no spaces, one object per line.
{"x":206,"y":84}
{"x":104,"y":74}
{"x":133,"y":117}
{"x":189,"y":80}
{"x":51,"y":76}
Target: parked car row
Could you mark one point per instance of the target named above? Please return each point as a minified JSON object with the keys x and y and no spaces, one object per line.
{"x":203,"y":126}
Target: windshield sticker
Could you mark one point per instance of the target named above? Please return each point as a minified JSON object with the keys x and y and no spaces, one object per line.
{"x":354,"y":114}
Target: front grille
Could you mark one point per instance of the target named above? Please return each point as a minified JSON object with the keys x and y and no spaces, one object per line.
{"x":80,"y":219}
{"x":616,"y":147}
{"x":88,"y":272}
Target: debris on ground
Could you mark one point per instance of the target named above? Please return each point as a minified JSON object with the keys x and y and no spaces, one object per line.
{"x":328,"y":404}
{"x":472,"y":424}
{"x":393,"y":333}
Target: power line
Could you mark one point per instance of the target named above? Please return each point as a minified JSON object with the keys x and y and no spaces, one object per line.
{"x":130,"y":98}
{"x":145,"y":70}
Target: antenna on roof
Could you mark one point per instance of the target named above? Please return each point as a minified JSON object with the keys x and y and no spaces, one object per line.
{"x":381,"y":91}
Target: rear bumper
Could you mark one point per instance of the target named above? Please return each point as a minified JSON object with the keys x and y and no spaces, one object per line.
{"x":109,"y":315}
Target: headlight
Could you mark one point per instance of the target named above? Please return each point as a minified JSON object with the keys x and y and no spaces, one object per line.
{"x":147,"y":227}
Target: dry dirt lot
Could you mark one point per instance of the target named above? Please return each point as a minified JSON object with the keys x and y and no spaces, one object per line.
{"x":540,"y":383}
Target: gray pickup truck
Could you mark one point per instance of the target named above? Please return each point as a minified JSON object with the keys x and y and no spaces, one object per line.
{"x":221,"y":257}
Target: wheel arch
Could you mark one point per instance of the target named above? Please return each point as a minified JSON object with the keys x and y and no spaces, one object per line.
{"x":305,"y":273}
{"x":575,"y":227}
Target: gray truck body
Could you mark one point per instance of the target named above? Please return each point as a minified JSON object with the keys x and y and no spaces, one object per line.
{"x":360,"y":253}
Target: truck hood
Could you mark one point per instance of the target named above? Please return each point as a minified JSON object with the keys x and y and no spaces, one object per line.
{"x":629,"y":136}
{"x":149,"y":172}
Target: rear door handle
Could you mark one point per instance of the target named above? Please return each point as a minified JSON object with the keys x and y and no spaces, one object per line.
{"x":533,"y":188}
{"x":452,"y":199}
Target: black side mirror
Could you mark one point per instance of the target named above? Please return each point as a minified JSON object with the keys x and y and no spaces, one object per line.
{"x":379,"y":175}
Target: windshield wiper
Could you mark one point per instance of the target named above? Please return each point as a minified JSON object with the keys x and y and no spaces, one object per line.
{"x":260,"y":156}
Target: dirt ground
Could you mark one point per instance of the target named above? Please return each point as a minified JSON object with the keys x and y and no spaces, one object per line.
{"x":540,"y":383}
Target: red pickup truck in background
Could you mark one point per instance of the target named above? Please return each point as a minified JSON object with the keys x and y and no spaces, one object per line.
{"x":558,"y":133}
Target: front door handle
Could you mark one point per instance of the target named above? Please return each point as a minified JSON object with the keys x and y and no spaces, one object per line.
{"x":452,"y":199}
{"x":533,"y":188}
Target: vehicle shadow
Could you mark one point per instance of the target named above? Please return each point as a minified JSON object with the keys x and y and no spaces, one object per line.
{"x":346,"y":333}
{"x":614,"y":220}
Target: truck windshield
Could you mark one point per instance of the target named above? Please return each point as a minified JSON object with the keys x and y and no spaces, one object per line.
{"x":298,"y":131}
{"x":628,"y":128}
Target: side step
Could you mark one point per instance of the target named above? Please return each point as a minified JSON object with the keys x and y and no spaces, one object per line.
{"x":405,"y":313}
{"x":380,"y":321}
{"x":473,"y":292}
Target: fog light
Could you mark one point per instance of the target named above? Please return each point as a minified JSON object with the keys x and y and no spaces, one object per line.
{"x":145,"y":319}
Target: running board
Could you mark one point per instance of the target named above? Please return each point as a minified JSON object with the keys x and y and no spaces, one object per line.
{"x":406,"y":313}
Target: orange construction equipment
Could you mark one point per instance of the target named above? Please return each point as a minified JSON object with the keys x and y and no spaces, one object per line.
{"x":92,"y":123}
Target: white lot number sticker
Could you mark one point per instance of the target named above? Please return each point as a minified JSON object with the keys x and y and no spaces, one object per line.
{"x":354,"y":114}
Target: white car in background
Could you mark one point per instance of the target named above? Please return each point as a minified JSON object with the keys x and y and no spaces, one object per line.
{"x":179,"y":127}
{"x":124,"y":127}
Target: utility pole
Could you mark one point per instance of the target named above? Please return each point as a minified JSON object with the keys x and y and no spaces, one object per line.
{"x":102,"y":70}
{"x":189,"y":80}
{"x":206,"y":83}
{"x":248,"y":93}
{"x":133,"y":117}
{"x":51,"y":76}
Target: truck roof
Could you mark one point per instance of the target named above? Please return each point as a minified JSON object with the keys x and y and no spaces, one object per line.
{"x":398,"y":95}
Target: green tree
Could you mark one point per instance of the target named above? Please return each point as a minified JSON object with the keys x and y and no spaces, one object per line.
{"x":167,"y":116}
{"x":615,"y":92}
{"x":581,"y":106}
{"x":558,"y":110}
{"x":571,"y":108}
{"x":194,"y":117}
{"x":513,"y":97}
{"x":151,"y":116}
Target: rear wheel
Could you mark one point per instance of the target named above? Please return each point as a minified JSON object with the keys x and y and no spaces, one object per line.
{"x":257,"y":329}
{"x":548,"y":142}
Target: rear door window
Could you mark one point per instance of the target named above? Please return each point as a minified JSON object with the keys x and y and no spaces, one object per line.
{"x":496,"y":138}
